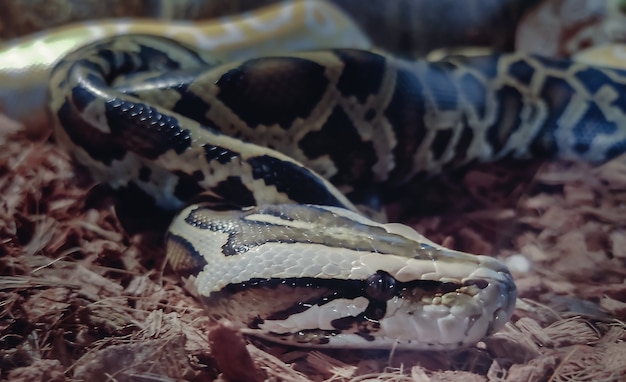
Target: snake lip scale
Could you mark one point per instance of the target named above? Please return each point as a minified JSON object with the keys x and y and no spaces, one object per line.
{"x":274,"y":245}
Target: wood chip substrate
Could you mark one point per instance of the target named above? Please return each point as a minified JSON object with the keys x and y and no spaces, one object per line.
{"x":82,"y":299}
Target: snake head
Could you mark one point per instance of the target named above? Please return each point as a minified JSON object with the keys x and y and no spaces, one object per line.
{"x":327,"y":277}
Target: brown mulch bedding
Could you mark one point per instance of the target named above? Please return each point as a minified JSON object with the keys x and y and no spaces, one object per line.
{"x":83,"y":300}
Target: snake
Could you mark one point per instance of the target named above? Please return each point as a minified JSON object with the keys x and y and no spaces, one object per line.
{"x":257,"y":157}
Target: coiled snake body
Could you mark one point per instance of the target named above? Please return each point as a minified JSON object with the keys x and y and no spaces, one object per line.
{"x":274,"y":245}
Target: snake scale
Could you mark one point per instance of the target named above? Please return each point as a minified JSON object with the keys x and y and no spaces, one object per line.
{"x":271,"y":243}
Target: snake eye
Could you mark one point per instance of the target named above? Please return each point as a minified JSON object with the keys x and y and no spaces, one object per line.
{"x":380,"y":286}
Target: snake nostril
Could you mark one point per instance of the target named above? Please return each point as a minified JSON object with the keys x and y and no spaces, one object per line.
{"x":380,"y":286}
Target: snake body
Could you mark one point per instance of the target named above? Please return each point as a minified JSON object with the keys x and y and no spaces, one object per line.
{"x":272,"y":244}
